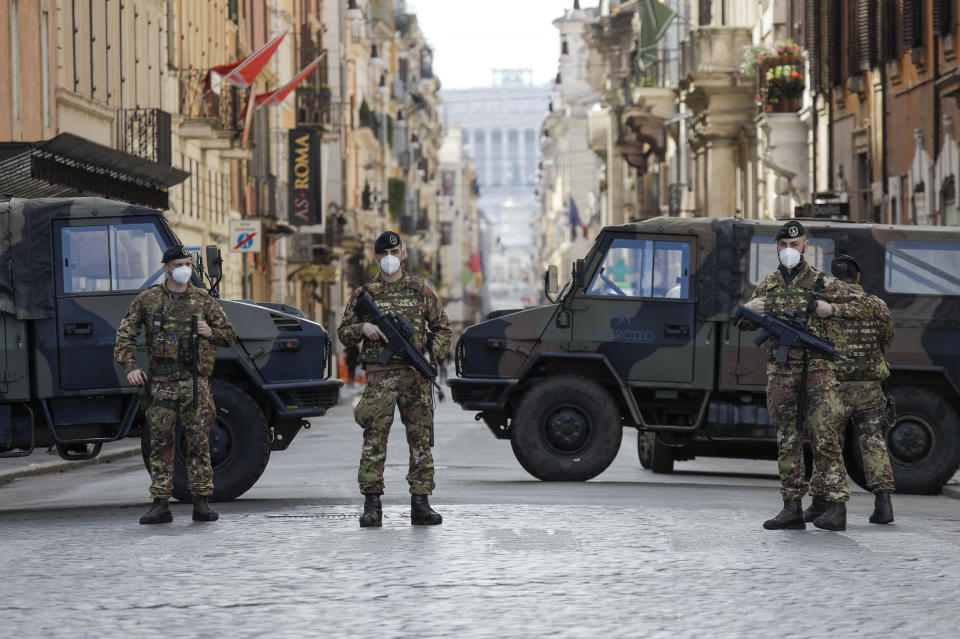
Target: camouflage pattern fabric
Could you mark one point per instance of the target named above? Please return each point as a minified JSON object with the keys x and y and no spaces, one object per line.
{"x":825,"y":417}
{"x":170,"y":378}
{"x":825,"y":414}
{"x":865,"y":402}
{"x":865,"y":339}
{"x":169,"y":348}
{"x":410,"y":392}
{"x":168,"y":399}
{"x":410,"y":297}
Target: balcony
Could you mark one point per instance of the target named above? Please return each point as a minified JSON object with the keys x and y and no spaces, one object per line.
{"x":713,"y":50}
{"x":780,"y":83}
{"x":145,"y":133}
{"x":212,"y":121}
{"x":316,"y":110}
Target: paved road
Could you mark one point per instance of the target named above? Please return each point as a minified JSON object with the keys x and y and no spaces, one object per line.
{"x":631,"y":553}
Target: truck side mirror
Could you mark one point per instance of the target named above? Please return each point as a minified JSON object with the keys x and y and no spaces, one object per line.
{"x":578,"y":284}
{"x":551,"y":282}
{"x":214,"y":262}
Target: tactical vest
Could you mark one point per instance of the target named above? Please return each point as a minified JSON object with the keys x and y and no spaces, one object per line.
{"x":860,"y":343}
{"x":404,"y":297}
{"x":796,"y":297}
{"x":169,"y":325}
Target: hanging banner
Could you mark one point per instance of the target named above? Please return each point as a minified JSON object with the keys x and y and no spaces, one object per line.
{"x":304,"y":178}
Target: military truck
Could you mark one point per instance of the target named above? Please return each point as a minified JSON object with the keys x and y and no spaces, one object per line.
{"x":69,"y":269}
{"x":643,"y":337}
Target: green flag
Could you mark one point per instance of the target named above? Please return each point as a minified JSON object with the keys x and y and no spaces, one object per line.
{"x":655,"y":17}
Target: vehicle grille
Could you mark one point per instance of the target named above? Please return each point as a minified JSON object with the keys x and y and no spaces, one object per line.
{"x":286,"y":324}
{"x":310,"y":398}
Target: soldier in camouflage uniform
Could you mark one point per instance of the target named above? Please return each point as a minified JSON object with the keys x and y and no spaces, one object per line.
{"x":165,"y":312}
{"x":395,"y":383}
{"x":799,"y":287}
{"x":866,"y":338}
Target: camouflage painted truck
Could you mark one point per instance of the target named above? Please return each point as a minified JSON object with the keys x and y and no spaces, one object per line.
{"x":643,"y":337}
{"x":69,"y":269}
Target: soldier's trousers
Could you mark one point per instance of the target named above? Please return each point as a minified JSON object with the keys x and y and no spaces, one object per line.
{"x":168,"y":399}
{"x":865,"y":403}
{"x":824,"y":422}
{"x":410,"y":392}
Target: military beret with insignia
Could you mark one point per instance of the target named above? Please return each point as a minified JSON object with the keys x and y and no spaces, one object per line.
{"x":386,"y":241}
{"x":790,"y":230}
{"x":175,"y":253}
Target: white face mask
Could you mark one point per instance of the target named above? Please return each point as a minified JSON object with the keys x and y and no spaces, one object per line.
{"x":390,"y":264}
{"x":789,"y":257}
{"x":181,"y":274}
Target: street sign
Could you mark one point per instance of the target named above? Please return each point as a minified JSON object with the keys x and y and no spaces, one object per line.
{"x":245,"y":236}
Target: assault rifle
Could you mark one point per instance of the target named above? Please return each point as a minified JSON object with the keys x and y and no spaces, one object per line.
{"x":398,"y":332}
{"x":791,"y":331}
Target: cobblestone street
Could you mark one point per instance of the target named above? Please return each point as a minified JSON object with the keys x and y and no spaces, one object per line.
{"x":630,"y":553}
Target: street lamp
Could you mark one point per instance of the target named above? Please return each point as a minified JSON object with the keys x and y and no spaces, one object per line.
{"x":383,"y":89}
{"x":375,"y":60}
{"x":353,"y":13}
{"x":565,"y":52}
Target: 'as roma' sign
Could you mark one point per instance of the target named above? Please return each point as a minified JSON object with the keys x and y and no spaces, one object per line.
{"x":304,"y":177}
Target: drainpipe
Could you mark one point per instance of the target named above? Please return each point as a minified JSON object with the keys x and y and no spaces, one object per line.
{"x":936,"y":110}
{"x":885,"y":168}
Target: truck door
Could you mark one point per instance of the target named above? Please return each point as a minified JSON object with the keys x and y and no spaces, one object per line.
{"x":102,"y":267}
{"x":638,"y":308}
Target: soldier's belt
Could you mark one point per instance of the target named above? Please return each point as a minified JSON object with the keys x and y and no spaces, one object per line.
{"x":168,"y":367}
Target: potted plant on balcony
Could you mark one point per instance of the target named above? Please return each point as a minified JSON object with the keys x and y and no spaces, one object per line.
{"x":782,"y":80}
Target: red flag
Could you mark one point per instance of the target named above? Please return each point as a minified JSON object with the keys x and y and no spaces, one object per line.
{"x":242,"y":74}
{"x":275,"y":97}
{"x":476,"y":262}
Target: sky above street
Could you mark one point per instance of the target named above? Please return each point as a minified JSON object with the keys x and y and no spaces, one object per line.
{"x":469,"y":39}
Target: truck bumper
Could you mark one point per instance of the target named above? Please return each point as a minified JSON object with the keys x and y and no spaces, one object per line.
{"x":309,"y":398}
{"x":481,"y":393}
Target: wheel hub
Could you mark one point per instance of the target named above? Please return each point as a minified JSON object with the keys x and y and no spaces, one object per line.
{"x":910,"y":440}
{"x":221,"y":444}
{"x":567,"y":429}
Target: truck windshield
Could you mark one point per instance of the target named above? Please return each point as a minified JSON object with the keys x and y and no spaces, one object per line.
{"x":114,"y":257}
{"x":764,"y":260}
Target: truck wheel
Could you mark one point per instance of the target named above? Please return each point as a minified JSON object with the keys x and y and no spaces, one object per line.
{"x":654,"y":455}
{"x":566,"y":429}
{"x":924,"y":443}
{"x":239,"y":445}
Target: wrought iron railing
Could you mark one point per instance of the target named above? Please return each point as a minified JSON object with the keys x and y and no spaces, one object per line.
{"x":145,"y":133}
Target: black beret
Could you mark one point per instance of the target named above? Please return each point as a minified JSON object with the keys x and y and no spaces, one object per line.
{"x":175,"y":253}
{"x":387,"y":240}
{"x":790,"y":230}
{"x":844,"y":259}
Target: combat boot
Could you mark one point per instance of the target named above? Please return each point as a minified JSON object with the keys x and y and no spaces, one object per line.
{"x":372,"y":511}
{"x":159,"y":513}
{"x":201,"y":509}
{"x":790,"y":518}
{"x":834,"y":517}
{"x":421,"y":514}
{"x":815,"y":509}
{"x":882,"y":509}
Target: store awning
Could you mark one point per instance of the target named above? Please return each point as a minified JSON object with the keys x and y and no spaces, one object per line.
{"x":71,"y":166}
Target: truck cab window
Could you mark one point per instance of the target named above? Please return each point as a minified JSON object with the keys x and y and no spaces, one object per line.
{"x":931,"y":268}
{"x":86,"y":268}
{"x":117,"y":257}
{"x":644,"y":268}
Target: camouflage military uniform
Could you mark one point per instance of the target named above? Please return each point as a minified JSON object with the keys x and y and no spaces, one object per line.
{"x":866,"y":337}
{"x":396,"y":383}
{"x":824,"y":407}
{"x":170,"y":384}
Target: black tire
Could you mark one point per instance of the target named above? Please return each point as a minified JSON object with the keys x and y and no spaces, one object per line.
{"x":924,"y":443}
{"x":654,"y":455}
{"x":239,"y":445}
{"x":566,"y":429}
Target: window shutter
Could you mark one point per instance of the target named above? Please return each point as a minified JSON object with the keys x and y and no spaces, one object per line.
{"x":942,"y":17}
{"x":853,"y":36}
{"x":833,"y":45}
{"x":824,"y":33}
{"x":906,"y":17}
{"x":867,"y":32}
{"x":811,"y":27}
